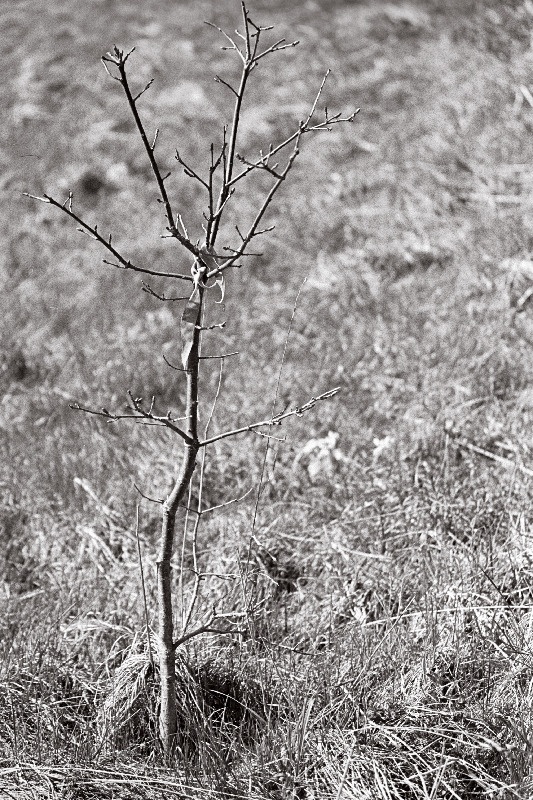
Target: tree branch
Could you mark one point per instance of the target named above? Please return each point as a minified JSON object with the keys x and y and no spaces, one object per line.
{"x":277,"y":419}
{"x":304,"y":128}
{"x":263,"y":164}
{"x":148,"y":289}
{"x":119,"y":60}
{"x":190,"y":172}
{"x":124,"y":263}
{"x":206,"y":629}
{"x":140,"y":415}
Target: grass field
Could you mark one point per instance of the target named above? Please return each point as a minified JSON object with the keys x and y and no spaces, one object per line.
{"x":391,"y":561}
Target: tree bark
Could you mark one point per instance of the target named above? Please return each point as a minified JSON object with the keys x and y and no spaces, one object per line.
{"x":168,"y":722}
{"x":167,"y":657}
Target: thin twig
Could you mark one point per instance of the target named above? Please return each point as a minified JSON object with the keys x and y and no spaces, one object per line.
{"x":150,"y":656}
{"x":234,"y":46}
{"x":275,"y":48}
{"x":227,"y":503}
{"x":275,"y":400}
{"x":196,"y":588}
{"x":253,"y":537}
{"x":222,"y":355}
{"x":148,"y":289}
{"x":173,"y":366}
{"x":157,"y":500}
{"x":190,"y":172}
{"x":218,"y":79}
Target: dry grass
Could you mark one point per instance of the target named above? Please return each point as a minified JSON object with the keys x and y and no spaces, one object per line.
{"x":392,"y":656}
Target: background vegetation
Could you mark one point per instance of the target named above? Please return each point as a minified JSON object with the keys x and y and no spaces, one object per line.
{"x":393,"y":655}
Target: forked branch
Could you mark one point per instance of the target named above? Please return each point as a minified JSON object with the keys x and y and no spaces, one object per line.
{"x":119,"y":58}
{"x":138,"y":414}
{"x":208,"y":627}
{"x":249,"y":58}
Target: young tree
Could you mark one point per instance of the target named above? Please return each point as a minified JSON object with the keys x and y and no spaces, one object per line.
{"x":226,"y":168}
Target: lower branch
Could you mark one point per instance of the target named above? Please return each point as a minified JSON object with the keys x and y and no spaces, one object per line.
{"x":274,"y":420}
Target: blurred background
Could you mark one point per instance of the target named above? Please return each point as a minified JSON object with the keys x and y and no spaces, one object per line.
{"x":429,"y":186}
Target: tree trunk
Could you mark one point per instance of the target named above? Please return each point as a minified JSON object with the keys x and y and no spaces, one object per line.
{"x":168,"y":722}
{"x":167,"y":658}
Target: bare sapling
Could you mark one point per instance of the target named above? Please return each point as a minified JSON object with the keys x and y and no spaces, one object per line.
{"x":226,"y":171}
